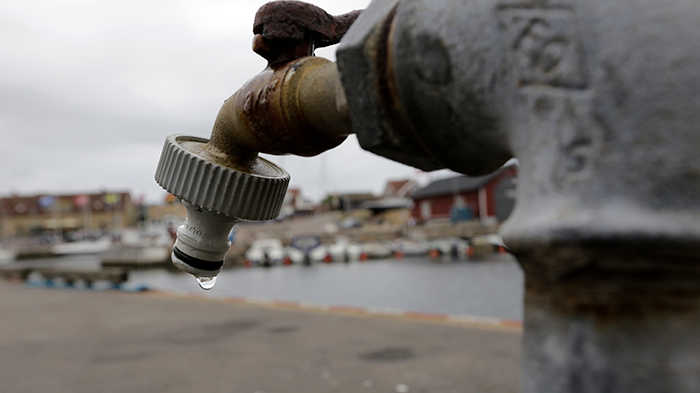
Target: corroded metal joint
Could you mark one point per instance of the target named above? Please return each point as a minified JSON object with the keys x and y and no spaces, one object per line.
{"x":288,"y":30}
{"x":297,"y":104}
{"x":407,"y":102}
{"x":297,"y":108}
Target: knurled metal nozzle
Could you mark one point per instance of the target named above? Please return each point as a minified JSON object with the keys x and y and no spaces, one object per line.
{"x":256,"y":194}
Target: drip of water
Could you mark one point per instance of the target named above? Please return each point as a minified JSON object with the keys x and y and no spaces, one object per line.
{"x":206,"y":282}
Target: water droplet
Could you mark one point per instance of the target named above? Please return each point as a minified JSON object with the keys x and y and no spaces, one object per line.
{"x":206,"y":282}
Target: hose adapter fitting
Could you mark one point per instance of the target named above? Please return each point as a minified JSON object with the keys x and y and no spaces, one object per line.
{"x":217,"y":195}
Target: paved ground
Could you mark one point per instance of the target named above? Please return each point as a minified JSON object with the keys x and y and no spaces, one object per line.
{"x":72,"y":341}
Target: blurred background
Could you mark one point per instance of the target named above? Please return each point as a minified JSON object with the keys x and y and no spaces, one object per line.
{"x":88,"y":92}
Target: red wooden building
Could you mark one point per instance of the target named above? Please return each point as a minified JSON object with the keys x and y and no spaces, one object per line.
{"x":462,"y":197}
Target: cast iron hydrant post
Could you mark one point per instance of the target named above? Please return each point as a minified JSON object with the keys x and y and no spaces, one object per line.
{"x":600,"y":102}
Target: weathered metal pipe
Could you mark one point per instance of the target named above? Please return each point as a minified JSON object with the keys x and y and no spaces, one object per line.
{"x":296,"y":108}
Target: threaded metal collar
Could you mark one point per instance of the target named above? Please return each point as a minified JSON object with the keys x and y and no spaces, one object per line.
{"x":249,"y":196}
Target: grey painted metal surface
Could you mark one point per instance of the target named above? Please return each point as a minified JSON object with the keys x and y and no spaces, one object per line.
{"x":362,"y":60}
{"x":600,"y":102}
{"x":504,"y":195}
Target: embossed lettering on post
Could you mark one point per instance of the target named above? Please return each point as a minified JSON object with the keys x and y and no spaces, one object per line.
{"x":546,"y":54}
{"x":545,"y":45}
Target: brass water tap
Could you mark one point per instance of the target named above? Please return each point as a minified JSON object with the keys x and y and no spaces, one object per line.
{"x":296,"y":105}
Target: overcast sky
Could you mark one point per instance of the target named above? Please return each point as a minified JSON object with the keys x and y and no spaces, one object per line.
{"x":90,"y":89}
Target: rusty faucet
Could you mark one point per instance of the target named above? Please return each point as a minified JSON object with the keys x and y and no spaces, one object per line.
{"x":296,"y":105}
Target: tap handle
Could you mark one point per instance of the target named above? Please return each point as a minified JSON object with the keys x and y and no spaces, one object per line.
{"x":288,"y":30}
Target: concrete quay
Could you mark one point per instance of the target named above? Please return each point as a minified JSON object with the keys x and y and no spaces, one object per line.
{"x":76,"y":341}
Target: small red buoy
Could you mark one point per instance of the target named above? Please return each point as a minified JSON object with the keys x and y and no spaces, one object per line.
{"x":364,"y":256}
{"x":328,"y":258}
{"x":398,"y":254}
{"x":434,"y":252}
{"x":470,"y":251}
{"x":247,"y":263}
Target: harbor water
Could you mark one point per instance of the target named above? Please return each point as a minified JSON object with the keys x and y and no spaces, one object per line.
{"x":488,"y":288}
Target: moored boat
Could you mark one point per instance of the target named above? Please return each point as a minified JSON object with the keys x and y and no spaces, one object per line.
{"x":82,"y":247}
{"x":265,"y":252}
{"x":345,"y":250}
